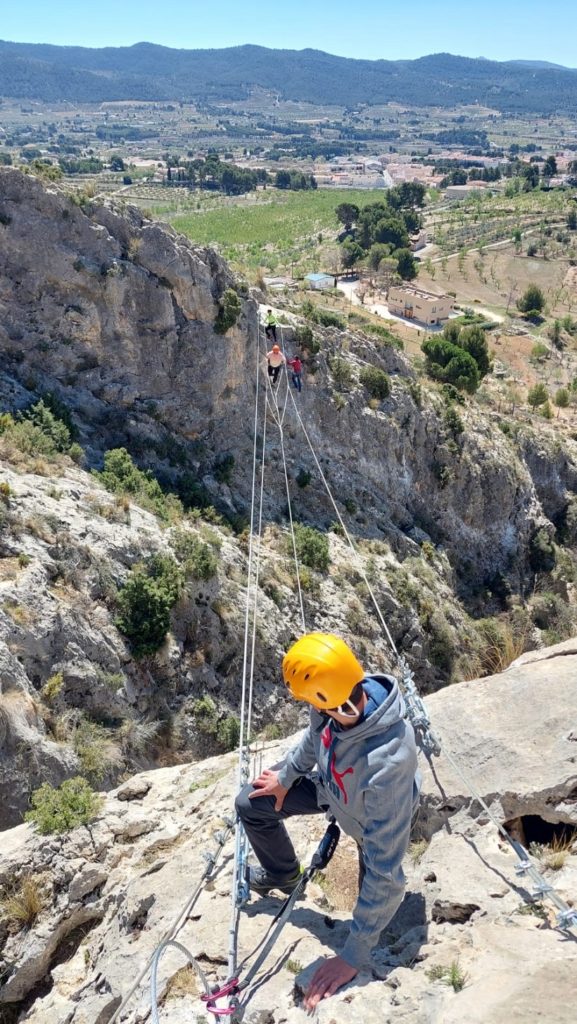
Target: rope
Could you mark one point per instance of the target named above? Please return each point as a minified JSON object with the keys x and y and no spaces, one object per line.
{"x":279,"y":420}
{"x":566,"y":916}
{"x":240,"y":891}
{"x":416,"y":709}
{"x":154,"y":971}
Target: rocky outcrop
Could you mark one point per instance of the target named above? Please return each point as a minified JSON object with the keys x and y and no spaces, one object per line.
{"x":111,"y":891}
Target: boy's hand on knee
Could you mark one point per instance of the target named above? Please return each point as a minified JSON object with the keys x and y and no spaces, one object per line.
{"x":267,"y":784}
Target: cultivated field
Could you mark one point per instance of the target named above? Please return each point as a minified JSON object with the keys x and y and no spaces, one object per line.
{"x":282,"y":232}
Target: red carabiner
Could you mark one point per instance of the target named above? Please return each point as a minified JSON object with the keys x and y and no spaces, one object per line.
{"x":228,"y":989}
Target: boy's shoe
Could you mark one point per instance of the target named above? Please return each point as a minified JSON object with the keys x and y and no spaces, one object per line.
{"x":263,"y":882}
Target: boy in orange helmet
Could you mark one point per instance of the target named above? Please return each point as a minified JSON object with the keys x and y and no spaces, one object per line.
{"x":364,"y":753}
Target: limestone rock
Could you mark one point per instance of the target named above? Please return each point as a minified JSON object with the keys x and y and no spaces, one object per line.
{"x":120,"y":888}
{"x":134,"y":789}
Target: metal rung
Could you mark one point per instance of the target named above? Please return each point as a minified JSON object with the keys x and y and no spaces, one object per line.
{"x":567,"y":918}
{"x":522,"y":867}
{"x":542,"y":889}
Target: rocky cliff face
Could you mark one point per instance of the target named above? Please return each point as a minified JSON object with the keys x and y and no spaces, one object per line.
{"x":108,"y":893}
{"x":115,"y":314}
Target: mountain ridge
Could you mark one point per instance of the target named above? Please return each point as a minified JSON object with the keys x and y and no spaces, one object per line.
{"x":147,"y":71}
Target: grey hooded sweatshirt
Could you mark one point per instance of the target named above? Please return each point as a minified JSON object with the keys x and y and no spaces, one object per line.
{"x":368,"y":779}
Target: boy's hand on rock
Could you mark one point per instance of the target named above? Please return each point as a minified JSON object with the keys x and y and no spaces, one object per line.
{"x":327,"y":979}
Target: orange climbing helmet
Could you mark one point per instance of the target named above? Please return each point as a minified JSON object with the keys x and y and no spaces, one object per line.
{"x":276,"y":348}
{"x":321,"y":669}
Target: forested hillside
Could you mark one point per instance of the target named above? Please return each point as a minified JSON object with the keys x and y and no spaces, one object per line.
{"x":149,"y":72}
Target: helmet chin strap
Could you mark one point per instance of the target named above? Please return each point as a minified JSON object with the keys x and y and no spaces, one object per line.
{"x":355,"y":711}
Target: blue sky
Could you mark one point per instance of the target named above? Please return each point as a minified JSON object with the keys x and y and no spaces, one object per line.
{"x":497,"y":29}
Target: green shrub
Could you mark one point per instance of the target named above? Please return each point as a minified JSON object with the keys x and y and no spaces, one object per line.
{"x":76,"y":453}
{"x":450,"y":363}
{"x":375,"y":381}
{"x":145,"y":601}
{"x":191,"y":492}
{"x":52,"y":687}
{"x":223,"y":468}
{"x":202,"y":563}
{"x":541,"y":552}
{"x":327,"y":319}
{"x":61,"y":411}
{"x":228,"y":732}
{"x":228,"y":311}
{"x":303,"y":337}
{"x":551,"y":613}
{"x":428,"y":551}
{"x":5,"y":492}
{"x":308,"y":580}
{"x":453,"y":423}
{"x":53,"y":428}
{"x":441,"y":646}
{"x":121,"y":476}
{"x":451,"y":395}
{"x":89,"y":744}
{"x":414,"y":389}
{"x":342,"y":373}
{"x":303,"y":477}
{"x":312,"y":547}
{"x":60,"y":810}
{"x":27,"y":438}
{"x":537,"y":395}
{"x":144,"y":613}
{"x":384,"y":335}
{"x":198,"y":558}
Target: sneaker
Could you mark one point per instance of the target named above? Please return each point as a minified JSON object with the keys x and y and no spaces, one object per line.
{"x":262,"y":882}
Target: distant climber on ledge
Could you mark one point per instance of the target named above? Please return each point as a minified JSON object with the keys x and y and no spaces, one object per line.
{"x":270,"y":325}
{"x":357,"y":760}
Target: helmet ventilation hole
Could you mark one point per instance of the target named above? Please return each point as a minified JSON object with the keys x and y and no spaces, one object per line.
{"x":322,"y":697}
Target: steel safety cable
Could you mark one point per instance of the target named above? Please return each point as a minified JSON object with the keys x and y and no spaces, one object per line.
{"x":566,"y":915}
{"x":347,"y":535}
{"x":211,"y":862}
{"x":245,"y":657}
{"x":291,"y":523}
{"x":256,"y":580}
{"x":240,"y":893}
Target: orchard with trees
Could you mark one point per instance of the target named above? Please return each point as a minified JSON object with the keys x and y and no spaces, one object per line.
{"x":382,"y":230}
